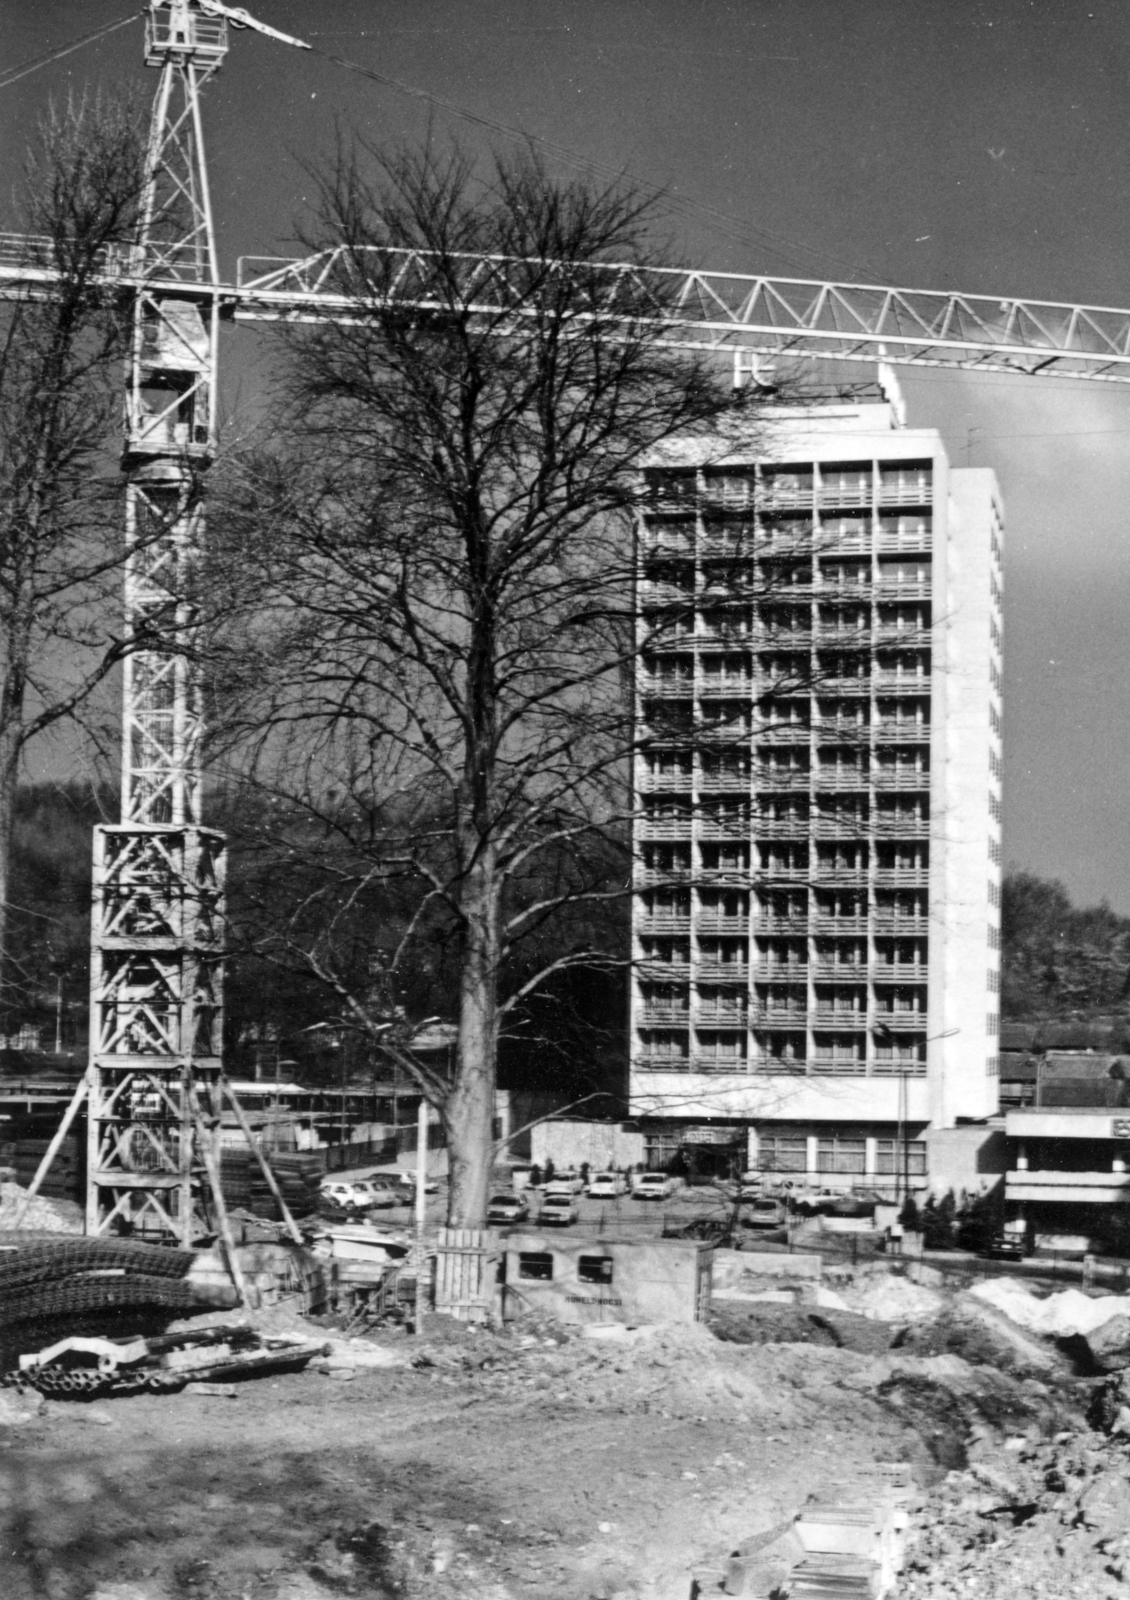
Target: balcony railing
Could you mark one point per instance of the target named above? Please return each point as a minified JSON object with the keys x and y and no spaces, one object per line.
{"x":841,"y":971}
{"x":648,"y":876}
{"x":784,"y":733}
{"x":856,"y":686}
{"x":664,"y":1017}
{"x":911,"y":778}
{"x":848,"y":877}
{"x":715,"y":922}
{"x":678,"y":782}
{"x":714,"y":1017}
{"x":776,"y":925}
{"x":827,"y":1017}
{"x":667,"y":688}
{"x":726,"y":688}
{"x":903,"y":591}
{"x":726,"y":782}
{"x":722,"y":972}
{"x":664,"y":922}
{"x":835,"y":495}
{"x":887,"y":922}
{"x":649,"y":1063}
{"x":839,"y":827}
{"x":780,"y":496}
{"x":847,"y":926}
{"x":888,"y":1067}
{"x":782,"y":777}
{"x":780,"y":1017}
{"x":902,"y":827}
{"x":902,"y":877}
{"x":900,"y":683}
{"x":779,"y":828}
{"x":839,"y":1066}
{"x":837,"y":779}
{"x":664,"y":828}
{"x":902,"y":732}
{"x":905,"y":494}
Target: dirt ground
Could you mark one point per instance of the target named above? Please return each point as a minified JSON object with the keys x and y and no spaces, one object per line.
{"x":542,"y":1464}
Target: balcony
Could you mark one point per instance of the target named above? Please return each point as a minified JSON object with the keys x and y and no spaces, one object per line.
{"x":836,"y":877}
{"x":848,"y":927}
{"x":844,"y":827}
{"x":716,"y":922}
{"x":664,"y":922}
{"x":774,"y":924}
{"x":725,"y":638}
{"x":841,"y":971}
{"x":895,"y":493}
{"x":893,"y":925}
{"x":892,"y":1067}
{"x":896,"y":778}
{"x":650,"y":970}
{"x":664,"y":1017}
{"x":725,"y":782}
{"x":836,"y":1066}
{"x":835,"y":780}
{"x":667,"y":782}
{"x":902,"y":1021}
{"x":792,"y":1019}
{"x":912,"y":635}
{"x":774,"y":496}
{"x":902,"y":827}
{"x":649,"y":1063}
{"x":902,"y":732}
{"x":836,"y":496}
{"x":784,"y":733}
{"x":835,"y":1021}
{"x":647,"y":877}
{"x":903,"y":591}
{"x":837,"y":730}
{"x":714,"y":688}
{"x":655,"y":688}
{"x":728,"y":827}
{"x":664,"y":827}
{"x":722,"y":972}
{"x":900,"y":683}
{"x":780,"y":828}
{"x":854,"y":686}
{"x":782,"y":778}
{"x":902,"y":877}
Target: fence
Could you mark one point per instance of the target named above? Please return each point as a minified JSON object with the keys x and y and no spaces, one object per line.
{"x":464,"y":1284}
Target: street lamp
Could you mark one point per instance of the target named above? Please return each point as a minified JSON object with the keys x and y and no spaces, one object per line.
{"x":882,"y":1031}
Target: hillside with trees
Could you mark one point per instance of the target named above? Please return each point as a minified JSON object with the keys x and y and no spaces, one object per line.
{"x":1058,"y":959}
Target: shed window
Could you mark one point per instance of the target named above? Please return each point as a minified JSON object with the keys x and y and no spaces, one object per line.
{"x":536,"y":1264}
{"x":594,"y":1269}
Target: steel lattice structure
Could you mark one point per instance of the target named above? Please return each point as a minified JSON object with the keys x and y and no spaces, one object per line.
{"x":156,"y":1006}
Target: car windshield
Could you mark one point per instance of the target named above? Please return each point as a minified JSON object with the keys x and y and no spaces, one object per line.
{"x":504,"y":1200}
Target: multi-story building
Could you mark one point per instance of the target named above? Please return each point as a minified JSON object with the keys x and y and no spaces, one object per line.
{"x":817,"y":843}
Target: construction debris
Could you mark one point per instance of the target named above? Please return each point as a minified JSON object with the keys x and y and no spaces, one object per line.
{"x":79,"y":1368}
{"x":36,"y":1214}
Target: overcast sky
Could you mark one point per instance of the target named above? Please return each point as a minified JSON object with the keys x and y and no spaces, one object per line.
{"x":926,"y":143}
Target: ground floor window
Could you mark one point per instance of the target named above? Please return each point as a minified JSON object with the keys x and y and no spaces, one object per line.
{"x":841,"y":1155}
{"x":782,"y":1152}
{"x":890,"y":1161}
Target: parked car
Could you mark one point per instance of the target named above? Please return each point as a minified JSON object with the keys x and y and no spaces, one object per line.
{"x":567,"y":1182}
{"x":407,"y":1181}
{"x":504,"y":1208}
{"x":607,"y":1185}
{"x":654,"y":1185}
{"x":351,"y":1194}
{"x":1006,"y":1246}
{"x":764,"y":1212}
{"x":558,"y":1211}
{"x":379,"y":1192}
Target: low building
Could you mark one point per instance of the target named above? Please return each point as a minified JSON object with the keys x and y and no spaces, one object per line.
{"x":1069,"y":1151}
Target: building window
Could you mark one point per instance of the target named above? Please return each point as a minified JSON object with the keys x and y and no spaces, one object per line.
{"x":782,"y":1152}
{"x":894,"y":1156}
{"x":840,"y":1155}
{"x":536,"y":1266}
{"x":594,"y":1269}
{"x":993,"y":1067}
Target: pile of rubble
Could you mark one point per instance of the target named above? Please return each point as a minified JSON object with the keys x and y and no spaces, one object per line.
{"x":37,"y":1214}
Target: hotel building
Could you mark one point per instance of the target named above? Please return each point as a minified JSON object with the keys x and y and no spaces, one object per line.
{"x":816,"y":927}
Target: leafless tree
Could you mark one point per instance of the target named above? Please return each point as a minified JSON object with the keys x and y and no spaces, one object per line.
{"x":61,"y":344}
{"x":441,"y":635}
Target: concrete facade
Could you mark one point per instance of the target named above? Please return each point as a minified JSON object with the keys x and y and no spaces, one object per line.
{"x":817,"y":843}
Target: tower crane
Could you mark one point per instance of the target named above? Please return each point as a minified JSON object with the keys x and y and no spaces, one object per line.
{"x":151,"y":1088}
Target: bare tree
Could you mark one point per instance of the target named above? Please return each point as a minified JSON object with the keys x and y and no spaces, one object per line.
{"x":442,"y":634}
{"x":61,"y":344}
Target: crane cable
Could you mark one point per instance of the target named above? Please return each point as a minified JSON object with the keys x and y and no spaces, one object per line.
{"x":718,"y":219}
{"x":14,"y":74}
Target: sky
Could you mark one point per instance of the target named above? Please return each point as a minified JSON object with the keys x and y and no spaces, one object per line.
{"x":981,"y":145}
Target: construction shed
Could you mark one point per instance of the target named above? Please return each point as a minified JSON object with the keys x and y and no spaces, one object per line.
{"x":605,"y":1280}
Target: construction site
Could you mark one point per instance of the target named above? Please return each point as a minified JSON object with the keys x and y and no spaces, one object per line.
{"x":816,"y":1283}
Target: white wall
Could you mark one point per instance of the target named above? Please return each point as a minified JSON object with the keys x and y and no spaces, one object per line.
{"x":602,"y":1144}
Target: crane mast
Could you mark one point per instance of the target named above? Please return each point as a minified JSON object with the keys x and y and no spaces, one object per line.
{"x":156,"y":978}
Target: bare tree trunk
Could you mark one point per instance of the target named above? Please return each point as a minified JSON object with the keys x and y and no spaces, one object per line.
{"x":469,"y":1111}
{"x":10,"y":748}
